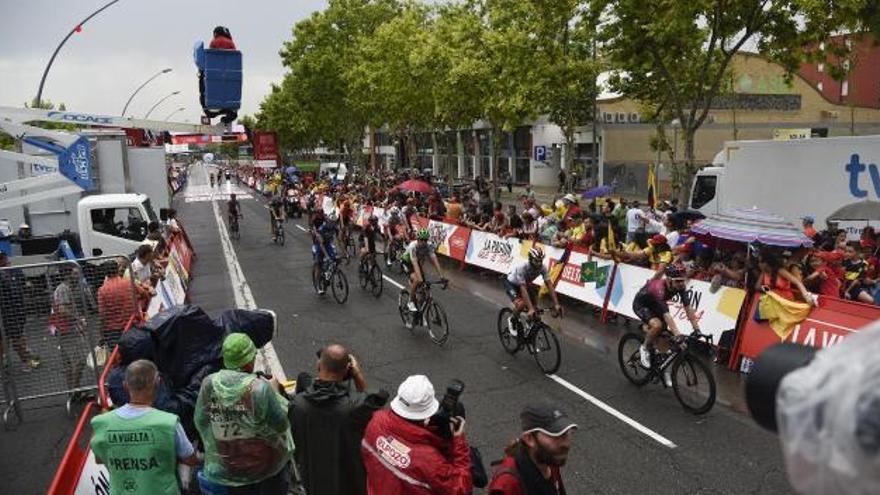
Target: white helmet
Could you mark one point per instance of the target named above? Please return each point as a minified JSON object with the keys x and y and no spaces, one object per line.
{"x":332,"y":216}
{"x":394,"y":211}
{"x":536,"y":255}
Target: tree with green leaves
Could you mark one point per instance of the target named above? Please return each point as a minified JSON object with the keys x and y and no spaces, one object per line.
{"x":676,"y":55}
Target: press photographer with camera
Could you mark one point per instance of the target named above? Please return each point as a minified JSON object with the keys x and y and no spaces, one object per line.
{"x":242,"y":420}
{"x":328,"y":419}
{"x":404,"y":451}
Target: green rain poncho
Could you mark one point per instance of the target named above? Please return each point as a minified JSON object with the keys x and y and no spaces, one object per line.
{"x":243,"y":424}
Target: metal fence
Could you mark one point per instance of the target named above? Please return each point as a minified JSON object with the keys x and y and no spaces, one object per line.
{"x":58,"y":323}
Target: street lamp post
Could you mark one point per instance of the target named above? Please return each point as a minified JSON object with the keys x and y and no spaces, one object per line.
{"x":154,"y":76}
{"x":174,"y":112}
{"x":76,"y":28}
{"x":169,"y":95}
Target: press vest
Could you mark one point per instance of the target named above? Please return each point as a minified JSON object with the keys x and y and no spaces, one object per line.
{"x":138,"y":452}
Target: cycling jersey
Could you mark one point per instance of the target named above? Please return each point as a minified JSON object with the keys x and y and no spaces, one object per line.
{"x":232,"y":207}
{"x":651,"y":300}
{"x":525,"y":273}
{"x":415,"y":251}
{"x":326,"y":232}
{"x":369,"y":235}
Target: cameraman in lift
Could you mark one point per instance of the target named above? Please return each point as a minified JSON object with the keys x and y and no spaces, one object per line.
{"x":407,"y":452}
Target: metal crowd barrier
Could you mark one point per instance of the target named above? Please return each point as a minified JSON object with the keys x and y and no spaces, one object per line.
{"x":59,"y":321}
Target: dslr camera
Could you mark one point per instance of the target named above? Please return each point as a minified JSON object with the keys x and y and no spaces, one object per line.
{"x":450,"y":407}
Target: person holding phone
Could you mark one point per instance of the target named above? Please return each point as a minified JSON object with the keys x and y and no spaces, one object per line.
{"x":328,"y":419}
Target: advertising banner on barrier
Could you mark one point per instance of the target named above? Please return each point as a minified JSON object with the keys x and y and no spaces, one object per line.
{"x":716,"y":312}
{"x":575,"y":284}
{"x":173,"y":285}
{"x":492,"y":252}
{"x":451,"y":240}
{"x":826,"y":325}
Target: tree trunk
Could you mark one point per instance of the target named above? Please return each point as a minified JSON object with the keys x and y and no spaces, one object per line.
{"x":690,"y":168}
{"x":493,"y":163}
{"x":568,"y":133}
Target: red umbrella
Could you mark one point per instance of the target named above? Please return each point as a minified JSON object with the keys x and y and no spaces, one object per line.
{"x":417,"y":186}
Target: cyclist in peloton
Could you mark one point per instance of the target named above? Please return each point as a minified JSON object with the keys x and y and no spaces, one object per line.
{"x":233,"y":209}
{"x":369,"y":234}
{"x":650,"y":305}
{"x":521,"y":291}
{"x":411,"y":261}
{"x":323,"y":232}
{"x":276,"y":212}
{"x":393,"y":229}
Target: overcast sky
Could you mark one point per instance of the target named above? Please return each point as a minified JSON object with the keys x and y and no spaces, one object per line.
{"x":99,"y":68}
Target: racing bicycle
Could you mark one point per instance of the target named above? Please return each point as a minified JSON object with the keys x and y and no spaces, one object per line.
{"x":331,"y":275}
{"x":279,"y":232}
{"x":370,"y":275}
{"x":392,"y":253}
{"x":685,"y":360}
{"x":429,"y":313}
{"x":534,"y":335}
{"x":234,"y":231}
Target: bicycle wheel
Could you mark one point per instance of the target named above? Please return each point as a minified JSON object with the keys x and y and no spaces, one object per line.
{"x":508,"y":341}
{"x":363,"y":278}
{"x":628,"y":359}
{"x":281,"y":236}
{"x":405,"y":315}
{"x":376,"y":280}
{"x":545,"y":347}
{"x":438,"y":324}
{"x":339,"y":286}
{"x":693,"y":384}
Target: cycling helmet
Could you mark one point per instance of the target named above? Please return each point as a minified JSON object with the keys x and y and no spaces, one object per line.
{"x":232,"y":196}
{"x":373,"y":220}
{"x":423,"y":235}
{"x":332,"y":216}
{"x":394,"y":211}
{"x":674,"y":272}
{"x":536,"y":255}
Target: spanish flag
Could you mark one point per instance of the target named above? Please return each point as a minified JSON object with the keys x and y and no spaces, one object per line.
{"x":652,"y":187}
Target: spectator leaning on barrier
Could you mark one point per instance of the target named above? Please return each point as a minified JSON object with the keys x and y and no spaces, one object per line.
{"x":116,"y":304}
{"x":142,"y":270}
{"x":405,"y":455}
{"x":328,"y":421}
{"x":141,"y":445}
{"x":68,"y":322}
{"x":242,"y":419}
{"x":14,"y":313}
{"x":532,"y":462}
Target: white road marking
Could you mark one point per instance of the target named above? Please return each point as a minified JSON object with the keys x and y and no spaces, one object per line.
{"x":392,"y":281}
{"x":300,"y":227}
{"x":614,"y":412}
{"x":244,"y":298}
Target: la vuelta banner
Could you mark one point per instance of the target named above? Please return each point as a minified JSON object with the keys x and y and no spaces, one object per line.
{"x":492,"y":252}
{"x":715,"y":312}
{"x":451,"y":240}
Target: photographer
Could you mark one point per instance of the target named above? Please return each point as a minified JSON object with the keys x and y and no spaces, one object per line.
{"x":404,"y":453}
{"x":242,"y":419}
{"x":328,"y":421}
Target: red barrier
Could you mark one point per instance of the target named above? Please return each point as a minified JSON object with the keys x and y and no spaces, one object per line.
{"x":831,"y":321}
{"x":67,"y":475}
{"x":111,"y":362}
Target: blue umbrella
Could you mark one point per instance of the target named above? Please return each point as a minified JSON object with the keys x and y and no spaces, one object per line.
{"x":601,"y":191}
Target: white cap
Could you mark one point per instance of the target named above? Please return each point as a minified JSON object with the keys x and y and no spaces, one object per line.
{"x":415,"y":399}
{"x":570,"y":197}
{"x":24,"y":226}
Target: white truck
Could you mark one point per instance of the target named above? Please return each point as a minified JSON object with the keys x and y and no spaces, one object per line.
{"x":90,"y":183}
{"x":793,"y":179}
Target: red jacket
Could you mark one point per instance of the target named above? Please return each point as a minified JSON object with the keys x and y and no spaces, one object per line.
{"x":222,"y":43}
{"x":507,"y":480}
{"x":407,"y":459}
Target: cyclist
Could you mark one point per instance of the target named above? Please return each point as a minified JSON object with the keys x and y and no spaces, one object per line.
{"x":393,"y":229}
{"x":411,"y":261}
{"x":276,"y":212}
{"x":323,"y":232}
{"x":650,"y":305}
{"x":369,"y":234}
{"x":233,"y":208}
{"x":212,"y":180}
{"x":346,"y":214}
{"x":521,"y":291}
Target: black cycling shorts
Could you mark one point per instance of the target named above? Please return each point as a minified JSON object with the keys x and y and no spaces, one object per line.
{"x":647,"y":308}
{"x":513,"y":293}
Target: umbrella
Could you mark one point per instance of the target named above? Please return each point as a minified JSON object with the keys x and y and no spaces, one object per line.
{"x":862,"y":210}
{"x":416,"y":185}
{"x":752,"y":225}
{"x":601,"y":191}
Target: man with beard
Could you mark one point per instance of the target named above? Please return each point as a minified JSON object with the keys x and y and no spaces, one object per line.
{"x":532,"y":462}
